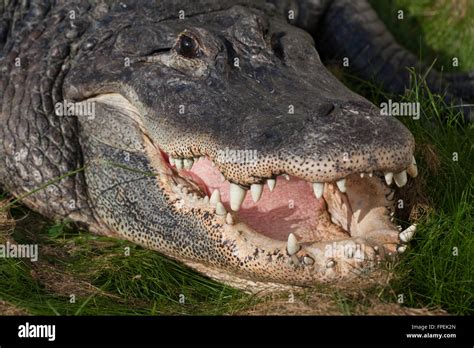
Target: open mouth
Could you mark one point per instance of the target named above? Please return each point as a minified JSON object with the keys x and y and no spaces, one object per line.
{"x":288,"y":213}
{"x":265,"y":220}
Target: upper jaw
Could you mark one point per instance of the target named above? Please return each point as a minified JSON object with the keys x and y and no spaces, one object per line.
{"x":315,"y":148}
{"x":246,"y":167}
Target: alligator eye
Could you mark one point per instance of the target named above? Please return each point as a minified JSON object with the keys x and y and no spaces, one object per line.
{"x":187,"y":47}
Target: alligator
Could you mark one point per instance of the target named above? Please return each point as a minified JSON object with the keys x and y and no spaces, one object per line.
{"x":212,"y":132}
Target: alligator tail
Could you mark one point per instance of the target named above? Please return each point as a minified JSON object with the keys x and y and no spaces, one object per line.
{"x":352,"y":29}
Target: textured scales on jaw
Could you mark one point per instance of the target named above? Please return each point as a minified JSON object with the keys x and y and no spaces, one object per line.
{"x":316,"y":170}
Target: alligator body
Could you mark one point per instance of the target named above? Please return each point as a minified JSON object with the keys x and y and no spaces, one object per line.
{"x":168,"y":123}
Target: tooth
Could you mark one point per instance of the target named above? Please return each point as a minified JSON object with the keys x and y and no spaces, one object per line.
{"x":220,"y":209}
{"x":390,"y":195}
{"x":215,"y":197}
{"x":392,"y":213}
{"x":171,"y":159}
{"x":229,"y":220}
{"x":342,"y":185}
{"x":318,"y":188}
{"x":188,"y":163}
{"x":237,"y":196}
{"x":178,"y":162}
{"x":330,"y":264}
{"x":256,"y":191}
{"x":408,"y":234}
{"x":359,"y":254}
{"x":412,"y":169}
{"x":389,"y":178}
{"x":371,"y":174}
{"x":400,"y":178}
{"x":286,"y":176}
{"x":206,"y":200}
{"x":308,"y":260}
{"x":349,"y":252}
{"x":362,"y":175}
{"x":292,"y":246}
{"x":271,"y":184}
{"x":401,"y":249}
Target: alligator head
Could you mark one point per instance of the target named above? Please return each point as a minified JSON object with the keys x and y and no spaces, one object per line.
{"x":266,"y":170}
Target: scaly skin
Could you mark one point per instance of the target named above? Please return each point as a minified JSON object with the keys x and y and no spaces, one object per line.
{"x":153,"y":100}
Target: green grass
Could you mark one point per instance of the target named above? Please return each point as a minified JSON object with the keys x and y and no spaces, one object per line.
{"x":440,"y":267}
{"x":107,"y":277}
{"x":430,"y":274}
{"x":433,"y":29}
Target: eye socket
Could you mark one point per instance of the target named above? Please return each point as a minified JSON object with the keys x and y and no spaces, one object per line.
{"x":187,"y":47}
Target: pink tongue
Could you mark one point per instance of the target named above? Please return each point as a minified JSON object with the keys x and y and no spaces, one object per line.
{"x":291,"y":206}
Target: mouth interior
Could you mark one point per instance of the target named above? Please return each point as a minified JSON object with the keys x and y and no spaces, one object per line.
{"x":360,"y":205}
{"x":290,"y":208}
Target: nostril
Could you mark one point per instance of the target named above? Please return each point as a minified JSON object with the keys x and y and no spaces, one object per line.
{"x":322,"y":110}
{"x":230,"y":51}
{"x":328,"y":109}
{"x":271,"y":135}
{"x":277,"y":45}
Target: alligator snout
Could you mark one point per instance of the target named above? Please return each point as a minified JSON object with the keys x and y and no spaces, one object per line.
{"x":320,"y":143}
